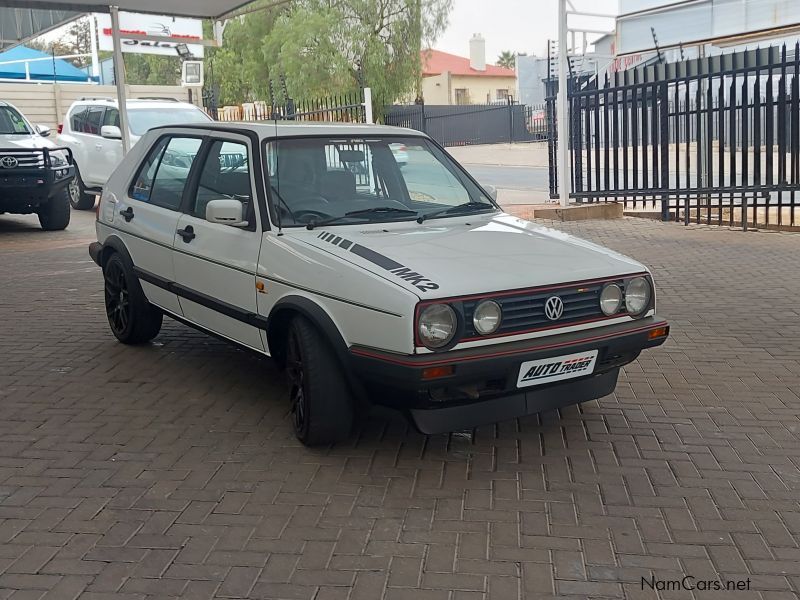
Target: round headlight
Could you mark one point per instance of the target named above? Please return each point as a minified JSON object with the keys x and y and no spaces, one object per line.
{"x":611,"y":299}
{"x":437,"y":325}
{"x":487,"y":317}
{"x":637,"y":295}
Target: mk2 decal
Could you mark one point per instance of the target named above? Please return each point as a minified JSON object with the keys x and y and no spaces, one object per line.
{"x":419,"y":281}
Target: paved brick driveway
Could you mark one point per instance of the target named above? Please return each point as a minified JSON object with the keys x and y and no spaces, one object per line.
{"x":170,"y":470}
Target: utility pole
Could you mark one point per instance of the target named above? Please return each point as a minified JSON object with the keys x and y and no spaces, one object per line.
{"x":562,"y":108}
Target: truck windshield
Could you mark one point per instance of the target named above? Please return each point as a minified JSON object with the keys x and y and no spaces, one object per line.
{"x":342,"y":180}
{"x":12,"y":123}
{"x":143,"y":119}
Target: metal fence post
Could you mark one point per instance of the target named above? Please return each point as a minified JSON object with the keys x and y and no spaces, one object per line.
{"x":664,"y":154}
{"x":368,"y":105}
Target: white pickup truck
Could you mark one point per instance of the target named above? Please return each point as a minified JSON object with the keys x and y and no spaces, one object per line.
{"x":34,"y":173}
{"x":367,"y":282}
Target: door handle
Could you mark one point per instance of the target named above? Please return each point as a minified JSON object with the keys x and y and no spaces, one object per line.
{"x":127,"y":214}
{"x":187,"y":234}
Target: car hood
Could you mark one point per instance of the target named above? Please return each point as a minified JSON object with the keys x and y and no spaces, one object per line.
{"x":468,"y":255}
{"x":9,"y":142}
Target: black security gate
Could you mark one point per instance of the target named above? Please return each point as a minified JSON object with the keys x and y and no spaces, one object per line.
{"x":711,"y":140}
{"x":463,"y":125}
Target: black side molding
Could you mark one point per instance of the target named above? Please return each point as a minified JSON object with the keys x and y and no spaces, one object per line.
{"x":229,"y":310}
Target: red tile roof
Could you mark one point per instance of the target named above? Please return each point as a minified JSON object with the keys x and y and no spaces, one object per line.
{"x":436,"y":62}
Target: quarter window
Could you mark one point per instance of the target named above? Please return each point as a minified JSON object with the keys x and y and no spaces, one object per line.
{"x":226,"y":174}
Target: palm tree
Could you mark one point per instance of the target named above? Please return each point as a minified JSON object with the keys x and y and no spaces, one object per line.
{"x":507,"y":59}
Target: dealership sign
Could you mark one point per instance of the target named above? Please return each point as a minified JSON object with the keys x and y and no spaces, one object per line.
{"x":152,"y":25}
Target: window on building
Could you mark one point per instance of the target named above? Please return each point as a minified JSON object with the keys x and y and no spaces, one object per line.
{"x":462,"y":96}
{"x":502,"y":94}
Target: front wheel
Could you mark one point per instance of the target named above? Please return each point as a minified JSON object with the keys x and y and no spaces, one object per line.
{"x":54,"y":215}
{"x":321,"y":402}
{"x":78,"y":198}
{"x":133,"y":320}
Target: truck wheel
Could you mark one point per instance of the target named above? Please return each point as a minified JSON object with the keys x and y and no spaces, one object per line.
{"x":322,"y":407}
{"x":54,"y":215}
{"x":133,"y":320}
{"x":78,"y":198}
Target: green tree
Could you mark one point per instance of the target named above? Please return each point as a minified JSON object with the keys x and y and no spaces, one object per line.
{"x":507,"y":59}
{"x":325,"y":47}
{"x":240,"y":67}
{"x":152,"y":69}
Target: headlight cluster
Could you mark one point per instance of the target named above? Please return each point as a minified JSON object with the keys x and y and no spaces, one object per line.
{"x":437,"y":325}
{"x":637,"y":295}
{"x":58,"y":159}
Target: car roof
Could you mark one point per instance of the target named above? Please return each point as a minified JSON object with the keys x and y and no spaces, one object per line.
{"x":137,"y":102}
{"x":272,"y":129}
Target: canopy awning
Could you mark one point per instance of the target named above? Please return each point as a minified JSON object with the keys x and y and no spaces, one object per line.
{"x":18,"y":25}
{"x":201,"y":9}
{"x":42,"y":12}
{"x":30,"y":64}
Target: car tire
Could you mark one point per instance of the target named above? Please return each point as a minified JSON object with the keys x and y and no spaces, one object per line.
{"x":322,"y":406}
{"x":78,"y":198}
{"x":133,"y":320}
{"x":54,"y":215}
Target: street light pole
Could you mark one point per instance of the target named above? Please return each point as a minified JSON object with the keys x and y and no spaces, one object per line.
{"x":562,"y":107}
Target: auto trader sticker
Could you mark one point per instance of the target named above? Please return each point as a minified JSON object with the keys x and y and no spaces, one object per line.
{"x":547,"y":370}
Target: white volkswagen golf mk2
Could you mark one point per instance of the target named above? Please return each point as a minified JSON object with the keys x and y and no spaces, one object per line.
{"x":366,"y":282}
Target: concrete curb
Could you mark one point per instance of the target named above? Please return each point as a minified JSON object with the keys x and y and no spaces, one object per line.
{"x":571,"y":213}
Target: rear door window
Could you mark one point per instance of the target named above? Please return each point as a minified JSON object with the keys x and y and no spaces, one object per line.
{"x":94,"y":117}
{"x":173,"y":171}
{"x":77,"y":118}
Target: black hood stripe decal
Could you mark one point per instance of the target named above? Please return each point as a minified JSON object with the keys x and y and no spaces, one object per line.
{"x":420,"y":282}
{"x":376,"y":258}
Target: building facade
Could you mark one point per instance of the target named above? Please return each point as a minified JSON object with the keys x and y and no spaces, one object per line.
{"x":451,"y":79}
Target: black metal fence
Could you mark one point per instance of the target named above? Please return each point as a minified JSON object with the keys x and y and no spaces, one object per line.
{"x":712,"y":140}
{"x":462,"y":125}
{"x":344,"y":108}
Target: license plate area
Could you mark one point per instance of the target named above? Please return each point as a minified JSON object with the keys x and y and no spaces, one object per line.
{"x":556,"y":368}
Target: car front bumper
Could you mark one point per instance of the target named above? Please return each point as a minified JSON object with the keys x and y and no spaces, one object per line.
{"x":482,"y":387}
{"x":24,"y":188}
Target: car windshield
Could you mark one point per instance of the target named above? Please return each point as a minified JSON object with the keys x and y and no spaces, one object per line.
{"x":143,"y":119}
{"x":343,"y":180}
{"x":12,"y":123}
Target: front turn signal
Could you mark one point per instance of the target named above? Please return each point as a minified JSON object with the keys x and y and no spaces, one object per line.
{"x":438,"y":372}
{"x":658,"y":332}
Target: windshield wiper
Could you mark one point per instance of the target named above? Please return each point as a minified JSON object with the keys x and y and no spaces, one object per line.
{"x":364,"y":213}
{"x":466,"y":207}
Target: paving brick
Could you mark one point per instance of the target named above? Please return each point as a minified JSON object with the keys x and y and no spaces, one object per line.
{"x":169,"y":470}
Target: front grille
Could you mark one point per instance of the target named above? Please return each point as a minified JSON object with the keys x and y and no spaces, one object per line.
{"x":525,"y":311}
{"x":25,"y":160}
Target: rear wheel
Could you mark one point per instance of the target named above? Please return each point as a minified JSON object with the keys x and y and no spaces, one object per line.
{"x":78,"y":198}
{"x":321,"y":402}
{"x":54,"y":215}
{"x":133,"y":320}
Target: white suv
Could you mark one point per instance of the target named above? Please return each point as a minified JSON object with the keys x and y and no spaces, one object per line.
{"x":91,"y":130}
{"x":366,"y":282}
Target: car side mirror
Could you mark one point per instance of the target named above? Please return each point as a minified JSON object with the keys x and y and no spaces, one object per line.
{"x":111,"y":132}
{"x":43,"y":130}
{"x":491,"y":190}
{"x":226,"y":211}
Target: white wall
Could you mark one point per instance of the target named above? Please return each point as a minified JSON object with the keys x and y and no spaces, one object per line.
{"x":47,"y":103}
